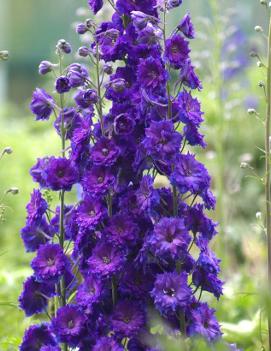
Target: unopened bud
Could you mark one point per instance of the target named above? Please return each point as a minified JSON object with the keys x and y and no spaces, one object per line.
{"x":4,"y":55}
{"x":260,"y":64}
{"x":45,"y":67}
{"x":64,"y":46}
{"x":81,"y":28}
{"x":261,"y":84}
{"x":13,"y":191}
{"x":251,"y":111}
{"x":83,"y":51}
{"x":258,"y":29}
{"x":263,"y":2}
{"x":244,"y":165}
{"x":108,"y":69}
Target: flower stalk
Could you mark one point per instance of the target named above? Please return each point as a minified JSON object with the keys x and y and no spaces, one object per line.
{"x":267,"y":172}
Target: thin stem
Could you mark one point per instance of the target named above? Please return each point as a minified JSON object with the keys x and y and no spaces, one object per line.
{"x":267,"y":172}
{"x":62,"y":284}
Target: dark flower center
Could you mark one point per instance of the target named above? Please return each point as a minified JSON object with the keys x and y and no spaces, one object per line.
{"x":126,"y":320}
{"x":174,"y":49}
{"x":169,"y":237}
{"x":106,"y":260}
{"x":70,"y":324}
{"x":100,"y":179}
{"x":60,"y":173}
{"x":92,"y":213}
{"x":105,"y":151}
{"x":169,"y":291}
{"x":50,"y":262}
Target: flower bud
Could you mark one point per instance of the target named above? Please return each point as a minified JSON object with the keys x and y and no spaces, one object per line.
{"x":251,"y":111}
{"x":81,"y":28}
{"x":108,"y":69}
{"x":7,"y":150}
{"x":253,"y":54}
{"x":12,"y":191}
{"x":63,"y":46}
{"x":258,"y":29}
{"x":261,"y":84}
{"x":4,"y":54}
{"x":45,"y":67}
{"x":244,"y":165}
{"x":263,"y":2}
{"x":259,"y":64}
{"x":83,"y":51}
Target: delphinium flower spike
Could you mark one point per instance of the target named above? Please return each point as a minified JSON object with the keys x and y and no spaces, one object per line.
{"x":127,"y":246}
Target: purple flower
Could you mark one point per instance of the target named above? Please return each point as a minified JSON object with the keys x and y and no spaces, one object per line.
{"x":141,"y":19}
{"x":122,"y":230}
{"x":98,"y":181}
{"x":173,"y":3}
{"x":188,"y":76}
{"x":42,"y":104}
{"x":162,"y":141}
{"x":171,"y":292}
{"x":50,"y":263}
{"x":190,"y":111}
{"x":71,"y":120}
{"x":61,"y":174}
{"x":89,"y":213}
{"x":69,"y":324}
{"x":190,"y":175}
{"x":128,"y":318}
{"x":151,"y":73}
{"x":62,"y":85}
{"x":203,"y":322}
{"x":107,"y":344}
{"x":95,"y":5}
{"x":37,"y":336}
{"x":36,"y":234}
{"x":105,"y":260}
{"x":170,"y":237}
{"x":89,"y":292}
{"x":105,"y":152}
{"x":86,"y":98}
{"x":177,"y":50}
{"x":186,"y":27}
{"x":146,"y":196}
{"x":123,"y":124}
{"x":45,"y":67}
{"x":36,"y":208}
{"x":77,"y":75}
{"x":35,"y":295}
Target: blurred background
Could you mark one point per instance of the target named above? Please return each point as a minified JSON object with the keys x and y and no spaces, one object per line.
{"x":225,"y":37}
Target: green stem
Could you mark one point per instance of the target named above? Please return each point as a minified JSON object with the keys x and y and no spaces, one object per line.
{"x":62,"y":285}
{"x":267,"y":173}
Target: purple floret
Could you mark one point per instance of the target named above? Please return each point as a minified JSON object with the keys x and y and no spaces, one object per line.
{"x":50,"y":263}
{"x":42,"y":104}
{"x":37,"y":336}
{"x":68,"y":325}
{"x":128,"y":318}
{"x":35,"y":295}
{"x":171,"y":292}
{"x":203,"y":322}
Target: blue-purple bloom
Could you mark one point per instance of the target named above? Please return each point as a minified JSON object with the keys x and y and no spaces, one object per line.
{"x":171,"y":292}
{"x":42,"y":104}
{"x":128,"y":243}
{"x":50,"y":263}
